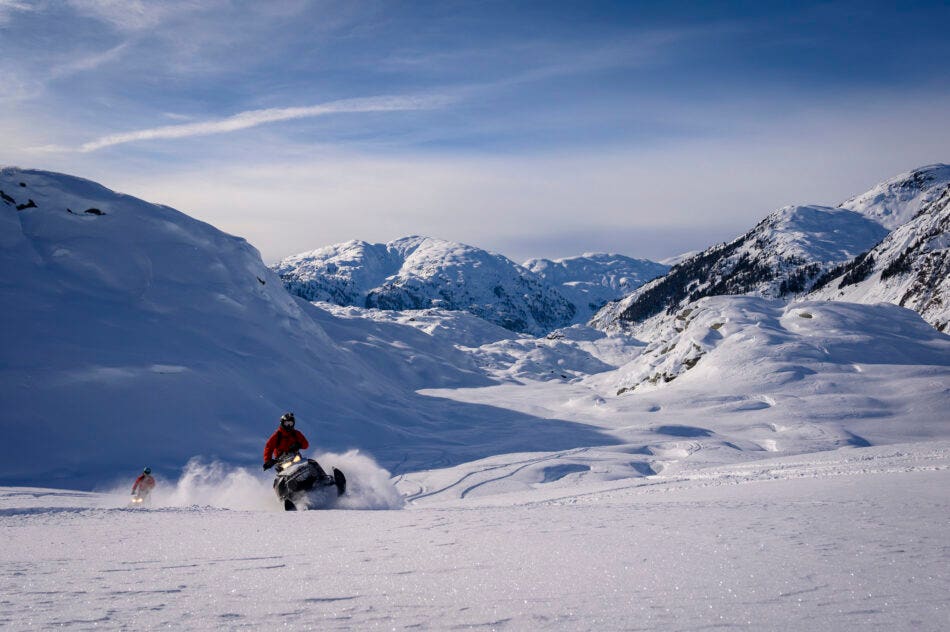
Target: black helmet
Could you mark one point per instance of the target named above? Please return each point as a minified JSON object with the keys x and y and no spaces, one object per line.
{"x":287,"y":420}
{"x":147,"y":470}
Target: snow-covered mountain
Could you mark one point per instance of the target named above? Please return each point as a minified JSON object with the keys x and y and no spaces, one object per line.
{"x":896,"y":201}
{"x":593,"y":279}
{"x":421,"y":273}
{"x":782,"y":255}
{"x":788,"y":252}
{"x":910,"y":267}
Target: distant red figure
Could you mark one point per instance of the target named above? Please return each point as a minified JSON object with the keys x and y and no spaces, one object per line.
{"x":144,"y":484}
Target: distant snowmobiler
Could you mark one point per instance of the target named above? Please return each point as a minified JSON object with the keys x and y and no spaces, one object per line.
{"x":142,"y":488}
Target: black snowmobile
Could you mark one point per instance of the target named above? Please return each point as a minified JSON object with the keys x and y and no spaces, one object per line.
{"x":302,"y":481}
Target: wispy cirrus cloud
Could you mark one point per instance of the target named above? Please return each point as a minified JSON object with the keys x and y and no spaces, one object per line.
{"x":138,"y":15}
{"x":88,"y":62}
{"x":9,"y":7}
{"x":253,"y":118}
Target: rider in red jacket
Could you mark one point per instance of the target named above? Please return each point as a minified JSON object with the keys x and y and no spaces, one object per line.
{"x":285,"y":439}
{"x":144,"y":483}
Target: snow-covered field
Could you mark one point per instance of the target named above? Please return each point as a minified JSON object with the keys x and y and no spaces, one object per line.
{"x":852,"y":539}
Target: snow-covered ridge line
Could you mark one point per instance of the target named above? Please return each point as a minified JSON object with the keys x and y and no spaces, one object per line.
{"x":787,"y":253}
{"x":782,"y":255}
{"x":896,"y":201}
{"x":422,"y":272}
{"x":910,"y":267}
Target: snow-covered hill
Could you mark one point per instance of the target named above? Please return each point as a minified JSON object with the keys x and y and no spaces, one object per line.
{"x":782,"y":255}
{"x":421,"y":273}
{"x":134,"y":334}
{"x":774,"y":346}
{"x":594,"y":279}
{"x":910,"y":267}
{"x":896,"y":201}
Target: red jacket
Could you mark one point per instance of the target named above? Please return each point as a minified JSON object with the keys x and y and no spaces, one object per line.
{"x":145,"y":481}
{"x":281,"y":441}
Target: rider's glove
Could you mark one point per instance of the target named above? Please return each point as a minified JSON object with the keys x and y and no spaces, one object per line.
{"x":294,"y":447}
{"x":269,"y":463}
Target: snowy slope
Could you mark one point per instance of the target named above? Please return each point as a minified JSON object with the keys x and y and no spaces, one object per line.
{"x":736,"y":379}
{"x":910,"y":267}
{"x":422,"y":272}
{"x":139,"y":335}
{"x":593,"y":279}
{"x":133,"y":327}
{"x":724,"y":338}
{"x":782,"y":255}
{"x":896,"y":201}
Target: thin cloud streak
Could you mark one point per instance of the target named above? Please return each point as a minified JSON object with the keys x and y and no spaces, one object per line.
{"x":90,"y":62}
{"x":253,"y":118}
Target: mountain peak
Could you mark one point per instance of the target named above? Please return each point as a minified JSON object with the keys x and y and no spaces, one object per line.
{"x":418,"y":272}
{"x":781,"y":255}
{"x":896,"y":201}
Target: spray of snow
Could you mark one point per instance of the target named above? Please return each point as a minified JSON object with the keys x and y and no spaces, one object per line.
{"x":216,"y":484}
{"x":368,"y":486}
{"x":219,"y":485}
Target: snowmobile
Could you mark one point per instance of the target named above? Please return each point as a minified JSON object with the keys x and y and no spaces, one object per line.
{"x":302,"y":481}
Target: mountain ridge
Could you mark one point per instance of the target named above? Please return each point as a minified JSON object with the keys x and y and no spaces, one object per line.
{"x":787,"y":253}
{"x":910,"y":267}
{"x":419,"y":272}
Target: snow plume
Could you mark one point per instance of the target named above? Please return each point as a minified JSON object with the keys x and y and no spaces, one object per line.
{"x":368,"y":486}
{"x":219,"y":485}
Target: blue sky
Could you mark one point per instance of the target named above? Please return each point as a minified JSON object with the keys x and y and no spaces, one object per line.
{"x":532,"y":129}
